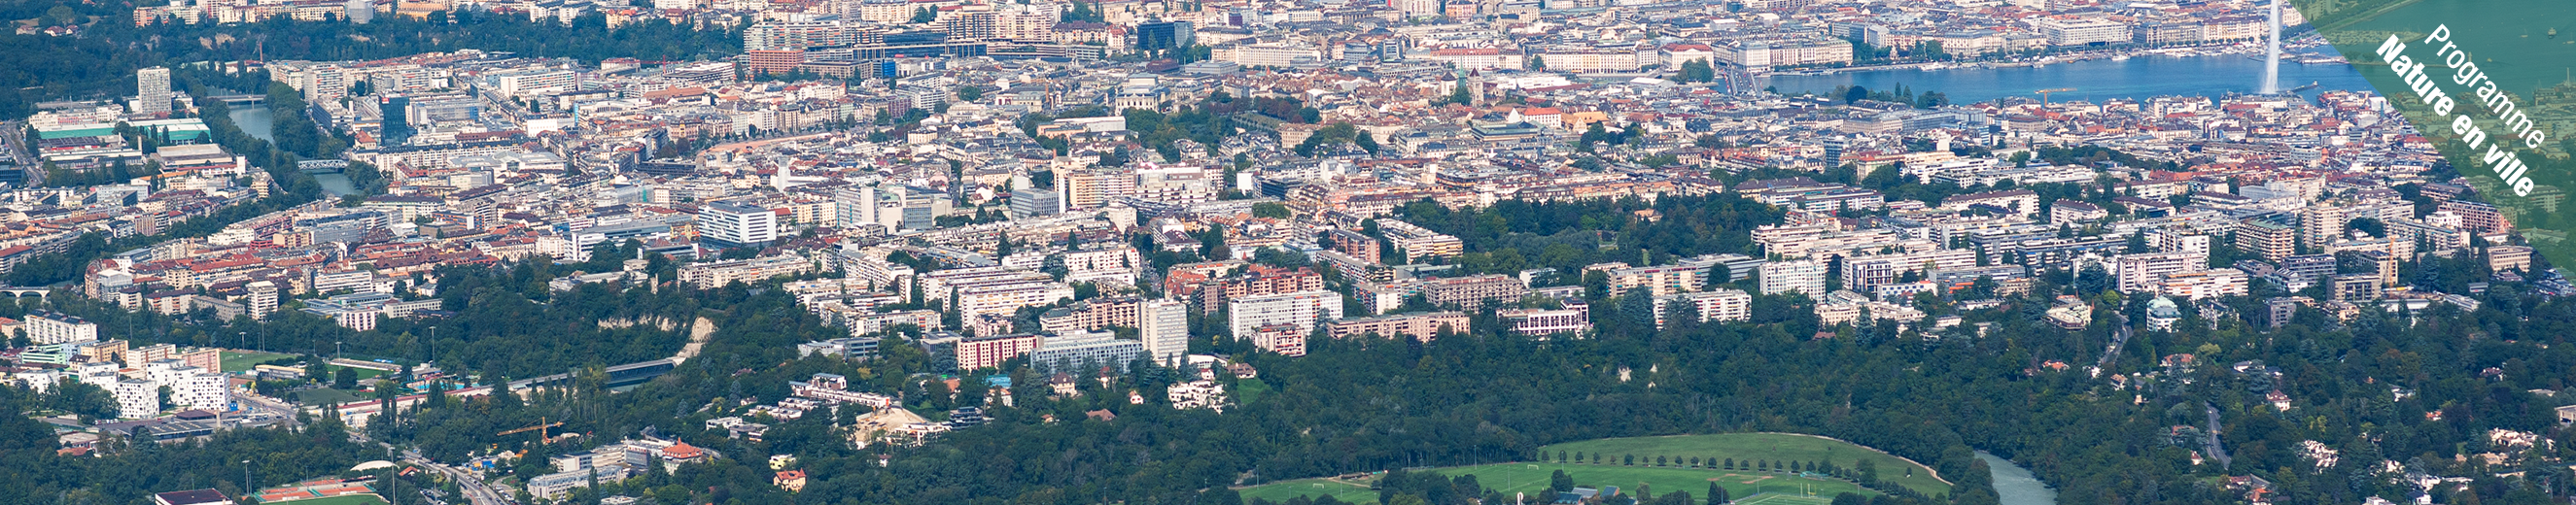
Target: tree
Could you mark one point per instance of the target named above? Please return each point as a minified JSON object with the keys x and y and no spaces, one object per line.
{"x":1537,"y":62}
{"x":924,"y":16}
{"x":1698,"y":70}
{"x":1561,"y":482}
{"x":1855,"y":94}
{"x":344,"y":378}
{"x":1459,"y":94}
{"x":970,"y":93}
{"x":1271,"y":210}
{"x":1716,"y":494}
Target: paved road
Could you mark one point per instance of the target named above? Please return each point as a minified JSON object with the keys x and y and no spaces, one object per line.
{"x":471,"y":483}
{"x":282,"y":410}
{"x":2119,"y":338}
{"x":476,"y":492}
{"x":2217,"y":450}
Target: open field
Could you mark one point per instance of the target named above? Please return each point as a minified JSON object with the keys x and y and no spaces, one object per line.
{"x":1532,"y":478}
{"x":1744,"y":447}
{"x":1283,"y":490}
{"x":236,"y":361}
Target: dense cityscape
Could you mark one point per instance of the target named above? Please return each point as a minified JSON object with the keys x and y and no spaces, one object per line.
{"x":1412,"y":252}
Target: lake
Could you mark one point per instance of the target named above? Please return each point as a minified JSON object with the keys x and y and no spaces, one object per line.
{"x":2015,"y":485}
{"x":2094,"y":80}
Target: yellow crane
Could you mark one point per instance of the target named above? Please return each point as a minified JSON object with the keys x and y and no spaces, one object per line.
{"x":541,"y":429}
{"x":2043,"y":94}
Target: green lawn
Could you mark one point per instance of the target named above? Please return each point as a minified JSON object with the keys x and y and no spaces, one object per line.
{"x":1247,"y":391}
{"x":1532,"y":478}
{"x":1754,"y":446}
{"x":363,"y":373}
{"x":236,"y":361}
{"x":1278,"y":492}
{"x":359,"y":499}
{"x":319,"y":396}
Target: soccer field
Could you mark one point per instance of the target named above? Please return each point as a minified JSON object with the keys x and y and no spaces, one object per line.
{"x":235,"y":361}
{"x":1283,"y":490}
{"x":1747,"y":447}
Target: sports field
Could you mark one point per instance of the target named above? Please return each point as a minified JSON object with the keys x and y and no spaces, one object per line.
{"x":1532,"y":478}
{"x":1745,"y":447}
{"x":236,"y":361}
{"x":1783,"y":499}
{"x":1278,"y":492}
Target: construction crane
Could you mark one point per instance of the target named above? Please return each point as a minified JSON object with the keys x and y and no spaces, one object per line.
{"x":541,"y":429}
{"x":2043,"y":94}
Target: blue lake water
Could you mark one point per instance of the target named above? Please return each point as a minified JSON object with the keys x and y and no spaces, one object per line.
{"x":2093,"y":80}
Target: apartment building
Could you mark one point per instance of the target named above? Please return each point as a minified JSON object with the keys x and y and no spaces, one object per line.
{"x":1474,"y":292}
{"x":1303,"y":310}
{"x":989,"y":351}
{"x":1420,"y":326}
{"x":46,"y":327}
{"x":1717,"y":305}
{"x":1803,"y":276}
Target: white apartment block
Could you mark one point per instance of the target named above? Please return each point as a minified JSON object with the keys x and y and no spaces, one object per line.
{"x":535,"y":83}
{"x":2076,"y":32}
{"x":1862,"y":273}
{"x":46,"y":327}
{"x":2140,"y":272}
{"x":2204,"y":284}
{"x":136,"y":398}
{"x":717,"y":274}
{"x":1006,"y":299}
{"x":1799,"y":276}
{"x":262,"y":300}
{"x":1108,"y":263}
{"x":1302,"y":309}
{"x":734,"y":224}
{"x":190,"y":387}
{"x":1717,"y":305}
{"x":1164,"y":325}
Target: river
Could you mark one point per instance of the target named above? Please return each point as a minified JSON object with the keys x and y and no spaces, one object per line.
{"x":2015,"y":485}
{"x":256,"y":121}
{"x":2094,"y":80}
{"x":259,"y":122}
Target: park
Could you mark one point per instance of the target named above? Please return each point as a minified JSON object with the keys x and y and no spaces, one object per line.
{"x":1752,"y":467}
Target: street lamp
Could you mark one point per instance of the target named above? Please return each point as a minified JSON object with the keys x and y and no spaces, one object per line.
{"x":247,"y":488}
